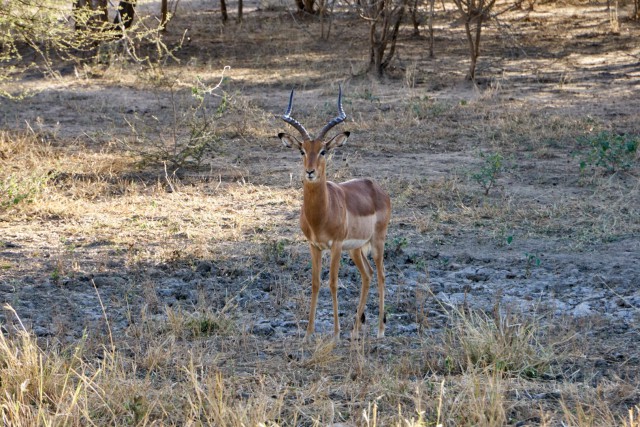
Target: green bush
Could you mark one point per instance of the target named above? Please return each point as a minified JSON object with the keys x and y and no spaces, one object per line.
{"x":609,"y":151}
{"x":490,"y":171}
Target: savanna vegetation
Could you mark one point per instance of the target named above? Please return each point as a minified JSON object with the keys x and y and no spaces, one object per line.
{"x":152,"y":270}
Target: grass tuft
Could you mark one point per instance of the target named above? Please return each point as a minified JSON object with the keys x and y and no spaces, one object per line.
{"x":506,"y":345}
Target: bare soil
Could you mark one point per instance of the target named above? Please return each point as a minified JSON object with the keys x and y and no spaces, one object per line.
{"x":118,"y":235}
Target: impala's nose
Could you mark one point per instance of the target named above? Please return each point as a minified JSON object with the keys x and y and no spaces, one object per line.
{"x":311,"y":174}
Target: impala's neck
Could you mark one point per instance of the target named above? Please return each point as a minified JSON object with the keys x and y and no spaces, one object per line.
{"x":316,"y":201}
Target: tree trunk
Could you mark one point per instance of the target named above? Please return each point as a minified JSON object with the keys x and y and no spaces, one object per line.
{"x":223,"y":10}
{"x":474,"y":12}
{"x":431,"y":14}
{"x":104,"y":12}
{"x":78,"y":18}
{"x":473,"y":58}
{"x":376,"y":60}
{"x":164,"y":13}
{"x":384,"y":25}
{"x":92,"y":14}
{"x":474,"y":44}
{"x":414,"y":18}
{"x":322,"y":11}
{"x":394,"y":37}
{"x":239,"y":10}
{"x":125,"y":14}
{"x":308,"y":6}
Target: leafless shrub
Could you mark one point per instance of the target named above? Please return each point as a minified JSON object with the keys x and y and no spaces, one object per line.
{"x":384,"y":18}
{"x":191,"y":131}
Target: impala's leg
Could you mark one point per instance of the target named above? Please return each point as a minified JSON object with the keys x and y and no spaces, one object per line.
{"x":377,"y":251}
{"x":360,"y":260}
{"x":316,"y":267}
{"x":336,"y":253}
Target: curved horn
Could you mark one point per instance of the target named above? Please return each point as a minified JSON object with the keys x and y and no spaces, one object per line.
{"x":338,"y":119}
{"x":293,"y":122}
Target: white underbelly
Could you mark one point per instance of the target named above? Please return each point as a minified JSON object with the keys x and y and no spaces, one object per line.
{"x":359,"y":234}
{"x":350,"y":244}
{"x":347,"y":245}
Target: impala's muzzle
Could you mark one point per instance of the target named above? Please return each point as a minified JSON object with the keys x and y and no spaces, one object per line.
{"x":310,"y":175}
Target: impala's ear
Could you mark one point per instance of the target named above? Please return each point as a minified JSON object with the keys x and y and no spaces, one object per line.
{"x":289,"y":141}
{"x":337,"y":141}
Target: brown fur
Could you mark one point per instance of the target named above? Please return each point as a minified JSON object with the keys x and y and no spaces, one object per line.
{"x":352,"y":215}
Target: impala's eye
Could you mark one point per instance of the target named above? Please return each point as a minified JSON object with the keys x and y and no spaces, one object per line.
{"x":302,"y":152}
{"x":323,"y":152}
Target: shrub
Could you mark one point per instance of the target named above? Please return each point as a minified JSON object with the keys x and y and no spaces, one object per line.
{"x":490,"y":171}
{"x":609,"y":151}
{"x":190,"y":134}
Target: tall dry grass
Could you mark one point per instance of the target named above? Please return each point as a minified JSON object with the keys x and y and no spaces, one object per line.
{"x":167,"y":374}
{"x":202,"y":366}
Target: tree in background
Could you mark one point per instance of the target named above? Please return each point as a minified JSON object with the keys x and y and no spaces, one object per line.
{"x":474,"y":13}
{"x":225,"y":15}
{"x":90,"y":14}
{"x":430,"y":25}
{"x":42,"y":28}
{"x":384,"y":18}
{"x":307,"y":6}
{"x":41,"y":33}
{"x":223,"y":10}
{"x":125,"y":14}
{"x":164,"y":14}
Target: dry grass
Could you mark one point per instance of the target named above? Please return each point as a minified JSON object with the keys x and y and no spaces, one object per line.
{"x":83,"y":199}
{"x":199,"y":365}
{"x":185,"y":379}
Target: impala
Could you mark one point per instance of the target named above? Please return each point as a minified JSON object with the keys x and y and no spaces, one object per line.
{"x":351,"y":216}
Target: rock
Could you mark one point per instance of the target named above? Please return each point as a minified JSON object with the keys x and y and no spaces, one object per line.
{"x":164,"y":292}
{"x":582,"y":310}
{"x":41,"y":331}
{"x":204,"y":268}
{"x":551,"y":395}
{"x":185,"y":274}
{"x":533,"y":421}
{"x":263,"y":329}
{"x":154,"y":272}
{"x":477,"y":277}
{"x":109,"y":281}
{"x":474,"y":274}
{"x":409,"y":329}
{"x":6,"y":288}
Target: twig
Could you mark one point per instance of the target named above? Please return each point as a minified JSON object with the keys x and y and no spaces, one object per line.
{"x":604,"y":282}
{"x":11,"y":309}
{"x":106,"y":318}
{"x":166,"y":177}
{"x":210,"y":90}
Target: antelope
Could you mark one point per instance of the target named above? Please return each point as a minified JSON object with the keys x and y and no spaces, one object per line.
{"x":351,"y":216}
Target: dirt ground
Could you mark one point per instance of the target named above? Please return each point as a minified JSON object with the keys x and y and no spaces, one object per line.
{"x":118,"y":234}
